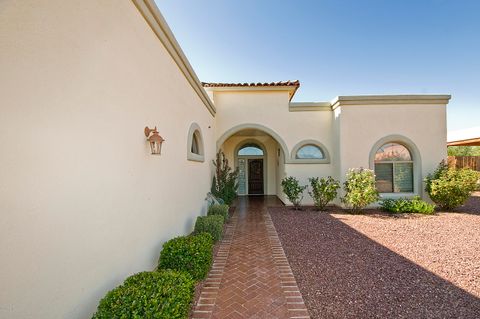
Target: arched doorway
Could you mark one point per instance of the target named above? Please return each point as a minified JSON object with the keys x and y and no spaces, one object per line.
{"x":273,"y":155}
{"x":250,"y":158}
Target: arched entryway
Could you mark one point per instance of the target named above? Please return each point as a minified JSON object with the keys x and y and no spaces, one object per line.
{"x":259,"y":154}
{"x":251,"y":160}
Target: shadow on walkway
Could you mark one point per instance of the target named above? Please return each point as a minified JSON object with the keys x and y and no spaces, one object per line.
{"x":344,"y":274}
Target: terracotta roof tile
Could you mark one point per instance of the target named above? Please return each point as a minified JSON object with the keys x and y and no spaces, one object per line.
{"x":279,"y":83}
{"x":295,"y":84}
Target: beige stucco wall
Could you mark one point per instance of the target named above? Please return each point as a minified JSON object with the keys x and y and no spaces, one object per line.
{"x":361,"y":126}
{"x":271,"y":109}
{"x":349,"y":132}
{"x":83,"y":204}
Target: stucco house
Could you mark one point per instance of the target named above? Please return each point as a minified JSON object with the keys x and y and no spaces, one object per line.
{"x":84,"y":203}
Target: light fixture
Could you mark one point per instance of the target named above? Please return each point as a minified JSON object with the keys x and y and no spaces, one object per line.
{"x":154,"y":139}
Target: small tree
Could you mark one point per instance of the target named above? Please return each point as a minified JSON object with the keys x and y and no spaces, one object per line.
{"x":324,"y":190}
{"x":449,"y":187}
{"x":224,"y":184}
{"x":293,"y":190}
{"x":359,"y":189}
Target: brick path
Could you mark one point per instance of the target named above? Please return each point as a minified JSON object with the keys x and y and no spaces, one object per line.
{"x":250,"y":276}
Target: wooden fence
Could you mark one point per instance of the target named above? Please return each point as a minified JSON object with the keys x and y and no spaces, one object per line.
{"x":472,"y":162}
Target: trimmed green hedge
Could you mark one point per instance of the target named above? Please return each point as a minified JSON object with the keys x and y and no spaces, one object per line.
{"x":217,"y":209}
{"x":405,"y":205}
{"x":163,"y":294}
{"x":192,"y":254}
{"x":212,"y":224}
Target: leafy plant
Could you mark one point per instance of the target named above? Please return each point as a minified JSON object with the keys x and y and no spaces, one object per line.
{"x":449,"y":187}
{"x":162,"y":294}
{"x":464,"y":151}
{"x":192,"y":254}
{"x":212,"y":224}
{"x":224,"y":184}
{"x":405,"y":205}
{"x":217,"y":209}
{"x":359,"y":189}
{"x":293,"y":190}
{"x":323,"y":190}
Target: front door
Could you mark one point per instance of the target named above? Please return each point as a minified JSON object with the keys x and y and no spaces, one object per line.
{"x":255,"y":176}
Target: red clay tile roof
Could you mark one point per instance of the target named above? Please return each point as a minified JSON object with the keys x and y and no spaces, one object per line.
{"x":295,"y":84}
{"x":279,"y":83}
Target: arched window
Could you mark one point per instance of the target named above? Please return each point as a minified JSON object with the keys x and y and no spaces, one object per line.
{"x":393,"y":169}
{"x":309,"y":151}
{"x":195,"y":150}
{"x":250,"y":150}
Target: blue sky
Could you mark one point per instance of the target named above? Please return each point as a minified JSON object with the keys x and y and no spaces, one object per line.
{"x":338,"y":47}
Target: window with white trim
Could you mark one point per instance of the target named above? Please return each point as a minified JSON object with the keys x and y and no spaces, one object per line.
{"x":310,"y":151}
{"x":393,"y":169}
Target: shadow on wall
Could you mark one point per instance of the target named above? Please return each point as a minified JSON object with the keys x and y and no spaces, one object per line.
{"x":344,"y":274}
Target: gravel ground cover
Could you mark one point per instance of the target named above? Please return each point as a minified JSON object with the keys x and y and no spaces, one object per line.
{"x":382,"y":266}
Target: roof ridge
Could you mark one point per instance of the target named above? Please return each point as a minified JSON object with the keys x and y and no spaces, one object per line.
{"x":295,"y":83}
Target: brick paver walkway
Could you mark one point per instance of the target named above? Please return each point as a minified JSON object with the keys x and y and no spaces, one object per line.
{"x":251,"y":277}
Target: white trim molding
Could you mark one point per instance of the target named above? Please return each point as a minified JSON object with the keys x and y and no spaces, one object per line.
{"x":309,"y":106}
{"x":195,"y":131}
{"x":390,"y":99}
{"x":439,"y":99}
{"x":295,"y":160}
{"x":157,"y":23}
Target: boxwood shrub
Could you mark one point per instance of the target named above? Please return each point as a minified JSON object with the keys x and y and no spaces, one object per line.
{"x":405,"y":205}
{"x":163,"y":294}
{"x":219,"y":209}
{"x":212,"y":224}
{"x":192,"y":254}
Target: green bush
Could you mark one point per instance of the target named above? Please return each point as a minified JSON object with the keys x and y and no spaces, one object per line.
{"x":224,"y":184}
{"x":212,"y":224}
{"x":217,"y":209}
{"x":293,"y":190}
{"x":163,"y":294}
{"x":192,"y":254}
{"x":324,"y":190}
{"x":359,"y":189}
{"x":451,"y":187}
{"x":405,"y":205}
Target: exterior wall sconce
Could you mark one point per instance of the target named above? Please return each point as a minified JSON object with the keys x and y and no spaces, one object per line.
{"x":154,"y":139}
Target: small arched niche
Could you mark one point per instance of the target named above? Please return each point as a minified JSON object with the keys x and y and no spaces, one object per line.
{"x":195,"y":147}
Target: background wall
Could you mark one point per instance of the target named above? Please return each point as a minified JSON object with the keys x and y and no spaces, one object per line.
{"x":362,"y":126}
{"x":270,"y":109}
{"x":83,"y":203}
{"x":349,"y":132}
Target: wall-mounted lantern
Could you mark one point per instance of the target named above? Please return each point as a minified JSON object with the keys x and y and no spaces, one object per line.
{"x":154,"y":139}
